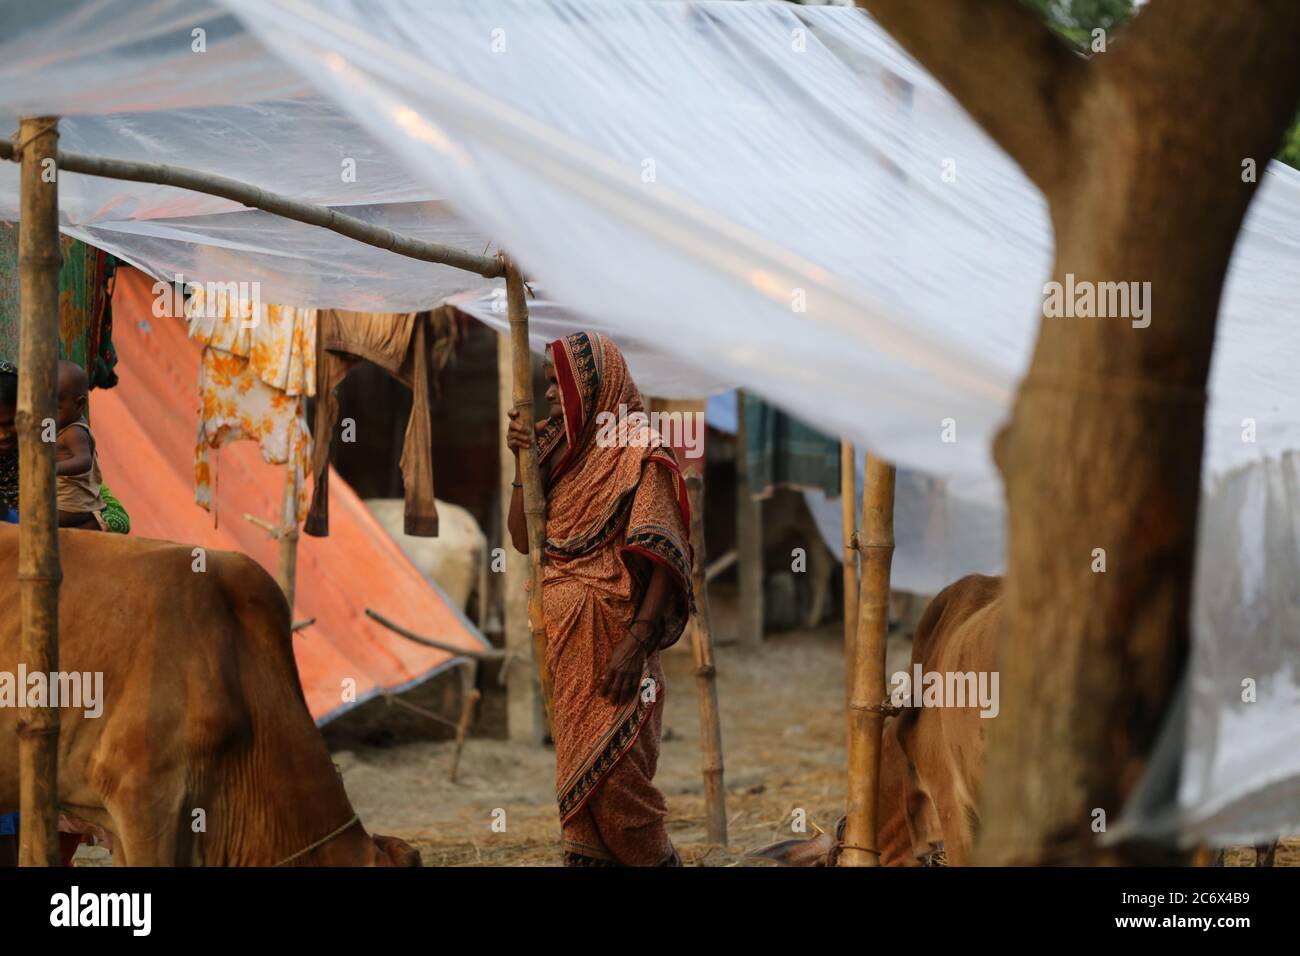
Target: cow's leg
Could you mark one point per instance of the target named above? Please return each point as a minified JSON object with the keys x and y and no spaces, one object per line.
{"x":1264,"y":853}
{"x":148,"y":821}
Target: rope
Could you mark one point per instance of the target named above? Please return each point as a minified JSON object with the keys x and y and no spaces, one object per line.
{"x":20,"y":145}
{"x":841,"y":845}
{"x":319,"y":843}
{"x":833,"y":855}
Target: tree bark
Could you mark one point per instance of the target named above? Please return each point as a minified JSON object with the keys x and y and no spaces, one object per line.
{"x":1139,"y":152}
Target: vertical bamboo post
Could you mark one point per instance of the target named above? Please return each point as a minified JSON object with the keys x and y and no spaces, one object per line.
{"x":39,"y":571}
{"x":849,"y":519}
{"x":288,"y":536}
{"x":749,"y":539}
{"x":706,"y":682}
{"x":534,"y":502}
{"x":866,"y":717}
{"x":525,"y":715}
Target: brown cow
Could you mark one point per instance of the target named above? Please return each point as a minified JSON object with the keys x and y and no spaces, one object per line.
{"x":931,"y":757}
{"x":203,"y":727}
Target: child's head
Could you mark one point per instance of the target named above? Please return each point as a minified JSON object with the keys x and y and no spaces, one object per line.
{"x":74,"y":391}
{"x":8,"y":409}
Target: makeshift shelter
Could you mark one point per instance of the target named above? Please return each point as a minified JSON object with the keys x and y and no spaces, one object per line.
{"x":145,"y":430}
{"x":750,"y":194}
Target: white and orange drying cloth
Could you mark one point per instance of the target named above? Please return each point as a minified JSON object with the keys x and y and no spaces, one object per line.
{"x":257,"y":372}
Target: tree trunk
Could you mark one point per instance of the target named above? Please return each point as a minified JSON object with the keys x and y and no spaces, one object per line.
{"x":1140,"y":153}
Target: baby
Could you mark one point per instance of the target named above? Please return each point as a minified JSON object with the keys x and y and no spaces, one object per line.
{"x":77,"y":465}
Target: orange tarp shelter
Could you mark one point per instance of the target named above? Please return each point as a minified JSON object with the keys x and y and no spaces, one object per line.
{"x":146,"y":429}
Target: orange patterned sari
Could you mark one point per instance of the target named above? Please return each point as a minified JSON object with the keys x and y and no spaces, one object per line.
{"x":616,"y":506}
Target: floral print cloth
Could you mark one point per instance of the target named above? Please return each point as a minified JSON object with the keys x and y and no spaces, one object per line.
{"x":258,"y":370}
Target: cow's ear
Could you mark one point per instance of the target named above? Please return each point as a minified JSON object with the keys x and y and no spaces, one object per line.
{"x":814,"y":852}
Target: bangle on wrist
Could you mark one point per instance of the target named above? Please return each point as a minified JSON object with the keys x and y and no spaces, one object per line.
{"x":654,"y":632}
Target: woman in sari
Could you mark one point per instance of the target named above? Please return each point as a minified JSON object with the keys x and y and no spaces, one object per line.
{"x":616,"y":591}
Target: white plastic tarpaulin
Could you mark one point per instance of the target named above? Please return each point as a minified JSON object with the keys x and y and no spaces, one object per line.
{"x":749,"y":193}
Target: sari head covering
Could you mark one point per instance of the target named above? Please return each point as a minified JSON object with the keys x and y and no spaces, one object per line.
{"x":597,"y":452}
{"x":616,"y":508}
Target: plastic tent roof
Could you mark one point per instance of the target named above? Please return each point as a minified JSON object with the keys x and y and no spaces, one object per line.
{"x":750,"y":193}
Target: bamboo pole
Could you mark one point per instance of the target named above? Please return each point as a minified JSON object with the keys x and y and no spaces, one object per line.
{"x":493,"y":654}
{"x":866,"y":713}
{"x":288,"y":537}
{"x":849,"y":520}
{"x":525,"y":712}
{"x":706,"y":681}
{"x":249,"y":195}
{"x":469,"y":698}
{"x":749,"y":539}
{"x":39,"y":571}
{"x":534,"y":502}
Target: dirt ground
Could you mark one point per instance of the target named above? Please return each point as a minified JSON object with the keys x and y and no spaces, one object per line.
{"x":783,"y":741}
{"x":783,"y":738}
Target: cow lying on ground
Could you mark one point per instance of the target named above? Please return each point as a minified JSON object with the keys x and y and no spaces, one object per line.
{"x":205,"y":753}
{"x":931,"y":757}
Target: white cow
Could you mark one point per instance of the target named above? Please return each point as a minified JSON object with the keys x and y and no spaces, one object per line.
{"x":456,"y":560}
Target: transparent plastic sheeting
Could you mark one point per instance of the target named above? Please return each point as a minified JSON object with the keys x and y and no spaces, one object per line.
{"x":943,"y":527}
{"x":656,"y":371}
{"x":765,"y":195}
{"x":129,"y":83}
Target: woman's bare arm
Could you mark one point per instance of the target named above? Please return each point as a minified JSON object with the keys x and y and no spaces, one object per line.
{"x":653,"y":605}
{"x":645,"y":634}
{"x":515,"y":521}
{"x":518,"y":439}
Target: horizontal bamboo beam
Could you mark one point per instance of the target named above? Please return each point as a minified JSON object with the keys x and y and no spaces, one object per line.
{"x":310,"y":213}
{"x":721,"y":564}
{"x":492,"y":655}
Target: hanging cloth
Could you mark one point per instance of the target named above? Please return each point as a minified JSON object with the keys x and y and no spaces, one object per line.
{"x":257,"y":371}
{"x":400,"y":345}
